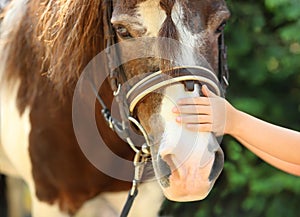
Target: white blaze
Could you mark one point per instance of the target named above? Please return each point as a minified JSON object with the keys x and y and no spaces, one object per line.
{"x":189,"y":154}
{"x":187,"y":38}
{"x":177,"y":139}
{"x":152,"y":16}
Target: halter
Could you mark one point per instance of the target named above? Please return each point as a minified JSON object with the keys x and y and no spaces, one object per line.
{"x":152,"y":82}
{"x":161,"y":79}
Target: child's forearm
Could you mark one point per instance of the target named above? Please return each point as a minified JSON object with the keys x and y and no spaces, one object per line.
{"x":277,"y":142}
{"x":278,"y":163}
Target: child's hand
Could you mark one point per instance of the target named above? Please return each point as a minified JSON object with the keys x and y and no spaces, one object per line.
{"x":206,"y":113}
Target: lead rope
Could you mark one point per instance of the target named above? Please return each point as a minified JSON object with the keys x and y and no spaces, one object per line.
{"x":140,"y":159}
{"x":141,"y":156}
{"x":139,"y":163}
{"x":113,"y":124}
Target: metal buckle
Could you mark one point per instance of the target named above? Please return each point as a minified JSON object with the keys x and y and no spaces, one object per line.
{"x":139,"y":164}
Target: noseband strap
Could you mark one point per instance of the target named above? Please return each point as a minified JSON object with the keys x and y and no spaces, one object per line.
{"x":161,"y":79}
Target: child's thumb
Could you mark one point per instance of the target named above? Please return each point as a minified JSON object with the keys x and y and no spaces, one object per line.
{"x":207,"y":92}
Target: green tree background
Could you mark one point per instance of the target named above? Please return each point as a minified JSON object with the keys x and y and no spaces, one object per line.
{"x":263,"y":39}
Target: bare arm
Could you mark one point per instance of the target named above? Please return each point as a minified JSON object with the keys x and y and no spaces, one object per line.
{"x":276,"y":162}
{"x":276,"y":145}
{"x":277,"y":141}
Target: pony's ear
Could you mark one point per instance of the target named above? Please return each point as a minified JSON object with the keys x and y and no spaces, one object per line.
{"x":71,"y":33}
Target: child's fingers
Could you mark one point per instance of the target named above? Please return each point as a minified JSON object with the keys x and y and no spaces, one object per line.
{"x":193,"y":101}
{"x":194,"y":119}
{"x":200,"y":127}
{"x":192,"y":109}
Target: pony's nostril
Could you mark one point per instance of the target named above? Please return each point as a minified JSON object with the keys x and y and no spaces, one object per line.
{"x":217,"y":165}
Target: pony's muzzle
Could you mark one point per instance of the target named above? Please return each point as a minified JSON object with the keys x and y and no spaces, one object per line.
{"x":191,"y":175}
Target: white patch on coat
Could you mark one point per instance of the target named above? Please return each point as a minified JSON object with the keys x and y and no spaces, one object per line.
{"x":15,"y":129}
{"x":152,"y":16}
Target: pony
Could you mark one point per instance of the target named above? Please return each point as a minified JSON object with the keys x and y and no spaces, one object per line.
{"x":46,"y":45}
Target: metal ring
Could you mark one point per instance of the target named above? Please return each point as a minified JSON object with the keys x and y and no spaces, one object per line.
{"x":116,"y":92}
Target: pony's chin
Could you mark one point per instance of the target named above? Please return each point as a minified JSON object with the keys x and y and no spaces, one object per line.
{"x":183,"y":195}
{"x":196,"y":185}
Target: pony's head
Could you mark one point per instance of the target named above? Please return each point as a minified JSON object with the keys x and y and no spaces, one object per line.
{"x":184,"y":42}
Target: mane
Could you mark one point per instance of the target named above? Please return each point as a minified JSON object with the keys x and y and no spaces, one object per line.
{"x":55,"y":39}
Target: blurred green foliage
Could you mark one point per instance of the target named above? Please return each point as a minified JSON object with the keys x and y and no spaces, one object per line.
{"x":263,"y":39}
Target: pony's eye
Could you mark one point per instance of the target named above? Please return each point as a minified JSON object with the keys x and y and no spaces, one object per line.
{"x":123,"y":32}
{"x":221,"y":28}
